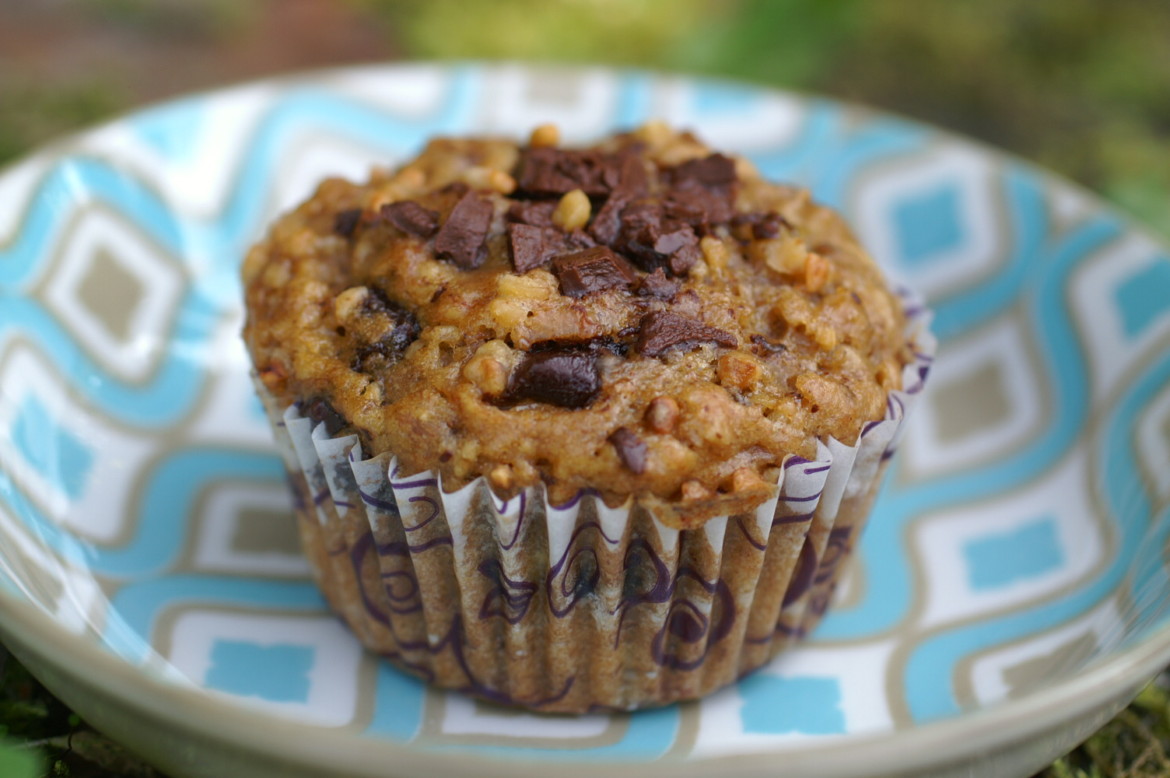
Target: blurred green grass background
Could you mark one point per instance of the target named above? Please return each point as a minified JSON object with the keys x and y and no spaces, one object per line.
{"x":1079,"y":86}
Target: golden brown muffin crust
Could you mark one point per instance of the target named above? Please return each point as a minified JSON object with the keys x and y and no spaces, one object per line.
{"x":639,"y":318}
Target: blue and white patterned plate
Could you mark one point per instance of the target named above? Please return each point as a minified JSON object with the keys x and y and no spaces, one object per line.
{"x":1011,"y":591}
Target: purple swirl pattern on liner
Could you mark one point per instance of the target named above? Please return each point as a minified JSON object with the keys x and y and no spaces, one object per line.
{"x":795,"y":518}
{"x":836,"y":551}
{"x":519,"y":520}
{"x":389,"y":506}
{"x":298,"y":499}
{"x":575,"y":499}
{"x":688,"y":625}
{"x":508,"y":599}
{"x":759,"y":545}
{"x":802,"y":576}
{"x":400,"y":584}
{"x":575,"y":574}
{"x":434,"y":514}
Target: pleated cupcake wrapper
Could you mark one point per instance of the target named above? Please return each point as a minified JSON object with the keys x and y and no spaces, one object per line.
{"x":579,"y":606}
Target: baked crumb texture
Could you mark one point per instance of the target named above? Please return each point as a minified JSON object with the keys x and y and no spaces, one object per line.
{"x":640,"y":318}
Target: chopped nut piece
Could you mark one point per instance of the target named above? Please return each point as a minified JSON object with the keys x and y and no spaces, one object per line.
{"x":572,"y":211}
{"x":745,"y":479}
{"x":654,"y":133}
{"x":501,"y":477}
{"x":784,"y":255}
{"x":489,"y":178}
{"x":507,"y":313}
{"x":535,"y":285}
{"x":816,"y":272}
{"x":545,"y":135}
{"x":739,"y":370}
{"x":348,"y":302}
{"x":486,"y":373}
{"x":662,"y":414}
{"x":715,"y":253}
{"x":693,"y":490}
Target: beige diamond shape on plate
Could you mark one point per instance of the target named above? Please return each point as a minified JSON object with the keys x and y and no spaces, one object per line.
{"x":115,"y":291}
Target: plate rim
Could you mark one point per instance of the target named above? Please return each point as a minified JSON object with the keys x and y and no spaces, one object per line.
{"x":965,"y":735}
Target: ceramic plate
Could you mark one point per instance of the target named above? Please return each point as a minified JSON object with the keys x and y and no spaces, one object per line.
{"x":1010,"y":594}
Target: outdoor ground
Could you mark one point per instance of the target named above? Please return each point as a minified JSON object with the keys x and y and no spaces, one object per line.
{"x":1080,"y":86}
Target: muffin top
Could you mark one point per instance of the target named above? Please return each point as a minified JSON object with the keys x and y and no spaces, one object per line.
{"x":642,"y":317}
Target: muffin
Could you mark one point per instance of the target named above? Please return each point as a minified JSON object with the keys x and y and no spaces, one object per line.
{"x":578,"y":429}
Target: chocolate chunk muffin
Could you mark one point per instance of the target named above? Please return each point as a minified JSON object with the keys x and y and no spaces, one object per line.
{"x":637,"y":370}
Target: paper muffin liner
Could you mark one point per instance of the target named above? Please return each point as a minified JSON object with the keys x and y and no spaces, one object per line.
{"x":579,"y":606}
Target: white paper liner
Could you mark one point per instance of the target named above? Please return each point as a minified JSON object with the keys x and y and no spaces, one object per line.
{"x":580,"y":606}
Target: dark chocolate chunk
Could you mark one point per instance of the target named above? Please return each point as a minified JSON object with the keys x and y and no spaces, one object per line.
{"x":398,"y":329}
{"x":321,"y":411}
{"x":592,"y":270}
{"x":410,"y":217}
{"x":656,"y":284}
{"x":768,"y":227}
{"x":607,"y":222}
{"x":715,"y":170}
{"x":631,"y":177}
{"x":631,"y":449}
{"x":653,"y":241}
{"x":530,"y":246}
{"x":594,"y":345}
{"x":461,"y":238}
{"x":345,"y":222}
{"x":661,"y":331}
{"x":767,"y":345}
{"x":579,"y":239}
{"x":699,"y":207}
{"x":563,"y":377}
{"x":630,"y":184}
{"x":551,"y":172}
{"x":537,"y":213}
{"x":763,"y":225}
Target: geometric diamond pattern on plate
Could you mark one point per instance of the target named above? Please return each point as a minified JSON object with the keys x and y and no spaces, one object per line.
{"x":247,"y":528}
{"x":313,"y":157}
{"x":301,"y":667}
{"x":465,"y":720}
{"x":985,"y":399}
{"x":935,"y":224}
{"x":1010,"y":551}
{"x":580,"y":102}
{"x":16,"y":188}
{"x":1019,"y":667}
{"x":413,"y":92}
{"x":231,"y":412}
{"x":60,"y":454}
{"x":1153,"y":444}
{"x":806,"y":694}
{"x":1120,"y":300}
{"x":114,"y":292}
{"x":193,"y":170}
{"x":732,"y":116}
